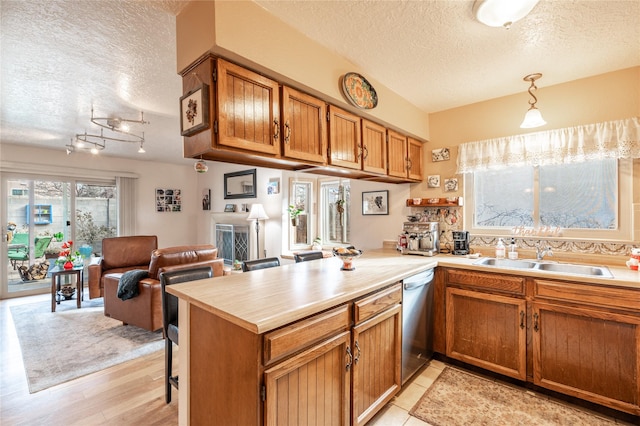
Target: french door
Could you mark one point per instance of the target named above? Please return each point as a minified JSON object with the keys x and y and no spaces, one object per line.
{"x":38,"y":216}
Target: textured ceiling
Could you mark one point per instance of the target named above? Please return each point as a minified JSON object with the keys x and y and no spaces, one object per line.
{"x":60,"y":58}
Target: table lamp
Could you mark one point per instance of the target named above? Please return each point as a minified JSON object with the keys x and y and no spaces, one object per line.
{"x":257,"y":212}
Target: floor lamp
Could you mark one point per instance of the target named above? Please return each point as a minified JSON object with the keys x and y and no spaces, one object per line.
{"x":257,"y":213}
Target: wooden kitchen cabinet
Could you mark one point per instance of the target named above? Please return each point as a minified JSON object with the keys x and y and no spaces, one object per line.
{"x":248,"y":109}
{"x":405,"y":157}
{"x":584,"y":348}
{"x":415,"y":155}
{"x":397,"y":149}
{"x":304,"y":126}
{"x":377,"y":352}
{"x":487,"y":330}
{"x":345,"y":139}
{"x":374,"y":147}
{"x":312,"y":387}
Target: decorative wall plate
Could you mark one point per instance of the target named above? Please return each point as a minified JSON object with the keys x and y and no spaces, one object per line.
{"x":359,"y":91}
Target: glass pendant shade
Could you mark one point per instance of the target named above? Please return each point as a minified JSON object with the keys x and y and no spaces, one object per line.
{"x":533,"y":118}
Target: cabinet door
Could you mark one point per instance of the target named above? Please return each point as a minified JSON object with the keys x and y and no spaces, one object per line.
{"x":304,"y":126}
{"x":594,"y":355}
{"x":377,"y":351}
{"x":397,"y":154}
{"x":249,"y":109}
{"x":487,"y":330}
{"x":345,"y":139}
{"x":374,"y":147}
{"x":414,"y":148}
{"x":312,"y":387}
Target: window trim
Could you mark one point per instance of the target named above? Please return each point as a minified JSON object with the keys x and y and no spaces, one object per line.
{"x":622,"y":234}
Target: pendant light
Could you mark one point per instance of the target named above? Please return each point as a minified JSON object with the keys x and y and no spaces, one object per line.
{"x":533,"y":117}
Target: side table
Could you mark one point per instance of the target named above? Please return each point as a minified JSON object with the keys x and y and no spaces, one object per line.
{"x":56,"y":274}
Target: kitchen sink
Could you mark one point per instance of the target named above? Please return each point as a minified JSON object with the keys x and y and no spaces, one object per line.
{"x":568,"y":268}
{"x":506,"y":263}
{"x":561,"y":268}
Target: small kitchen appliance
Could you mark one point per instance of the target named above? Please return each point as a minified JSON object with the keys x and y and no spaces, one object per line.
{"x":423,"y":238}
{"x":461,"y":242}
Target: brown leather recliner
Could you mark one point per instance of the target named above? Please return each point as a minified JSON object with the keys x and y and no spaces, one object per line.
{"x":120,"y":254}
{"x":145,"y":309}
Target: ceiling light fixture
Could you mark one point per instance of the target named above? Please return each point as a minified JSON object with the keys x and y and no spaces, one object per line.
{"x":533,"y":117}
{"x":96,"y":143}
{"x":502,"y":13}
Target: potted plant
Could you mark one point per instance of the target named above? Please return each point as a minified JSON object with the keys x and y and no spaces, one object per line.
{"x":294,"y":212}
{"x":317,"y":244}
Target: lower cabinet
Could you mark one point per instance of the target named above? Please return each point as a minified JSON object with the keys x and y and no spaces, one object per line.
{"x":487,"y":330}
{"x":312,"y":387}
{"x":575,"y":338}
{"x":587,"y":353}
{"x":377,"y":349}
{"x":335,"y":376}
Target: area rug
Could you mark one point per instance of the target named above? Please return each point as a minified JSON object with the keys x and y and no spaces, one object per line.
{"x":459,"y":398}
{"x":70,"y":343}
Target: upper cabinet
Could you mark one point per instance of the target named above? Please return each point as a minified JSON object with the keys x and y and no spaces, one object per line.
{"x":251,"y":119}
{"x":304,"y":126}
{"x":415,"y":169}
{"x":345,"y":139}
{"x":249,"y":109}
{"x":374,"y":147}
{"x":397,"y":154}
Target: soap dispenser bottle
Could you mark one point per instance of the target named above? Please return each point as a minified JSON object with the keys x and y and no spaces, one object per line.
{"x":500,"y":249}
{"x":513,"y":249}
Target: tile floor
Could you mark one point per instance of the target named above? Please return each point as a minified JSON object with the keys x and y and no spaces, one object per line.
{"x":396,"y":412}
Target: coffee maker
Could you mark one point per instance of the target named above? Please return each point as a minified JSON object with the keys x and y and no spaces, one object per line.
{"x":423,"y":238}
{"x":461,"y":242}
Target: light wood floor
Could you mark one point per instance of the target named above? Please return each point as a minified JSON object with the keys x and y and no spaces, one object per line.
{"x":131,"y":393}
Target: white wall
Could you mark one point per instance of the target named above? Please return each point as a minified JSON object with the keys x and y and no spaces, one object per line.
{"x":171,"y":228}
{"x":193,"y":225}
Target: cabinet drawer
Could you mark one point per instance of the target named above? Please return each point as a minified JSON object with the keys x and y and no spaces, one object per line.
{"x":376,"y":303}
{"x":585,"y":293}
{"x":295,"y":337}
{"x":496,"y":282}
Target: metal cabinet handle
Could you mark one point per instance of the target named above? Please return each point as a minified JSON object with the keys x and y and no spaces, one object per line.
{"x":276,"y":129}
{"x":349,"y":358}
{"x":522,"y":319}
{"x":366,"y":152}
{"x":409,"y":163}
{"x":535,"y":322}
{"x":287,"y":134}
{"x":357,"y":358}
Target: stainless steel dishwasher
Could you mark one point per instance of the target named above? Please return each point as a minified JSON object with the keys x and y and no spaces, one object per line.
{"x":417,"y":322}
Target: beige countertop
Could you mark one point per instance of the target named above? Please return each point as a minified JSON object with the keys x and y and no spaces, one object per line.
{"x":266,"y":299}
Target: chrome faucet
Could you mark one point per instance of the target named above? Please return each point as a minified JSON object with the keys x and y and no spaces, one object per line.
{"x":541,"y":253}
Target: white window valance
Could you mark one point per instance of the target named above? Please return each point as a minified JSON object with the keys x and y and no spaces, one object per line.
{"x":611,"y":139}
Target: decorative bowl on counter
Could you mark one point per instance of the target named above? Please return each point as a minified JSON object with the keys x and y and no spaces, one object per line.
{"x":347,"y":255}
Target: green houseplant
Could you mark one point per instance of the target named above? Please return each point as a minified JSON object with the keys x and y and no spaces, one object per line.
{"x":294,"y":212}
{"x":89,"y":232}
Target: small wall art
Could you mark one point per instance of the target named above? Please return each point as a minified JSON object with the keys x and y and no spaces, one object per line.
{"x":451,"y":185}
{"x":274,"y":186}
{"x":206,"y":199}
{"x":375,"y":203}
{"x":168,"y":200}
{"x":433,"y":181}
{"x":194,"y":111}
{"x":440,"y":154}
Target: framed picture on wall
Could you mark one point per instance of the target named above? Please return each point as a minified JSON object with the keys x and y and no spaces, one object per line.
{"x":168,"y":200}
{"x":194,"y":111}
{"x":375,"y":203}
{"x":206,"y":199}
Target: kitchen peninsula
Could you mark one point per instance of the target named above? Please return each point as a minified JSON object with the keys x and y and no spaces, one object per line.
{"x":243,"y":335}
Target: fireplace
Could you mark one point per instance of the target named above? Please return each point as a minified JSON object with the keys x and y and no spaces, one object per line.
{"x":232,"y":242}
